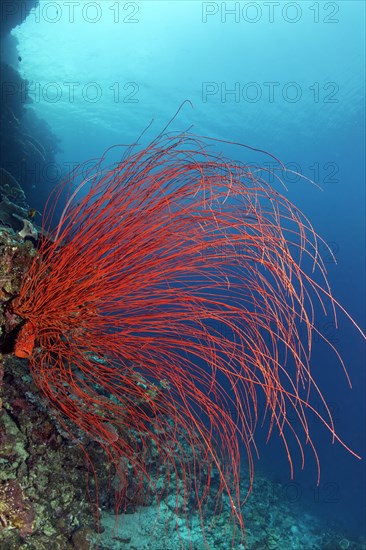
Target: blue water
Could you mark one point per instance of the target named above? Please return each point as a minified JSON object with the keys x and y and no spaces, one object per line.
{"x":290,"y":81}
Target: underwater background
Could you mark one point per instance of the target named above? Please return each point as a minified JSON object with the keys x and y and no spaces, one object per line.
{"x":285,"y":77}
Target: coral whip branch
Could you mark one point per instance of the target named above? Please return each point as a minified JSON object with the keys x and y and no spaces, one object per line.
{"x":184,"y":269}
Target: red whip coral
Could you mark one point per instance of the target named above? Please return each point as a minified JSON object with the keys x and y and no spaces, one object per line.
{"x":178,"y":267}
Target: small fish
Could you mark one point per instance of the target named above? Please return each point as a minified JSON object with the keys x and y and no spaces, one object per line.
{"x":32,"y":213}
{"x":19,"y":58}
